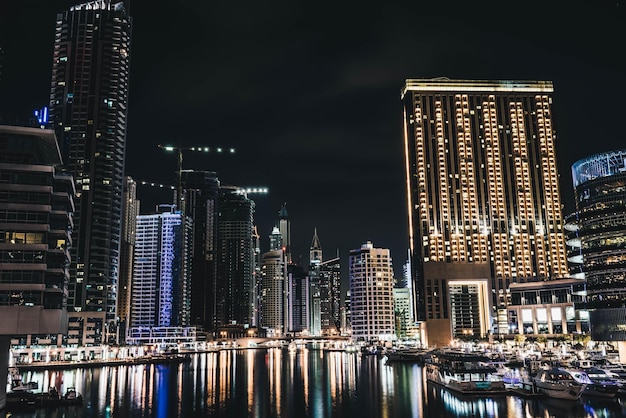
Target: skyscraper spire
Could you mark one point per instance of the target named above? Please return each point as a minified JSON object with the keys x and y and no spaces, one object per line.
{"x":315,"y":252}
{"x":285,"y":230}
{"x":282,"y":213}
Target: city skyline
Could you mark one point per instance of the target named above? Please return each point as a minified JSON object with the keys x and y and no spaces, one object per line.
{"x":319,"y":91}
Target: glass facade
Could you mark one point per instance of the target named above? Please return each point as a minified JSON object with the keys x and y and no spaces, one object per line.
{"x":235,"y":299}
{"x":598,"y":233}
{"x":36,"y":206}
{"x":88,"y":111}
{"x":161,"y":288}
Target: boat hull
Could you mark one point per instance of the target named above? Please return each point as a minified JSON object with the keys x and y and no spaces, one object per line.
{"x":570,"y":392}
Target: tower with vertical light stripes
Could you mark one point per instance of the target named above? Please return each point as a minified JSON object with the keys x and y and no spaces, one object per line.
{"x":482,"y":189}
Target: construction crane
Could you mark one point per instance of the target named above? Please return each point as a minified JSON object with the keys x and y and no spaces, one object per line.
{"x":179,"y":150}
{"x":238,"y":189}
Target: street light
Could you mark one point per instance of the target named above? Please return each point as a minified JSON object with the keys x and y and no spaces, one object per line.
{"x":179,"y":150}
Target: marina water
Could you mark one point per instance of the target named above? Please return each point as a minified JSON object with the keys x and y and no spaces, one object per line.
{"x":277,"y":382}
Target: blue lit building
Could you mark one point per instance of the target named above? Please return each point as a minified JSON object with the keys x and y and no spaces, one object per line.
{"x":161,"y":284}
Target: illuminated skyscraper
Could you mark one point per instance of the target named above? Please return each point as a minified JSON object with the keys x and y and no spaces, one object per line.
{"x":325,"y":276}
{"x":600,"y":236}
{"x":130,"y":212}
{"x":371,"y":294}
{"x":161,"y":278}
{"x":298,"y":288}
{"x":274,"y":277}
{"x":88,"y":111}
{"x":482,"y":188}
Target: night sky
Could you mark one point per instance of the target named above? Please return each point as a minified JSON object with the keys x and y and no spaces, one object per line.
{"x":309,"y":94}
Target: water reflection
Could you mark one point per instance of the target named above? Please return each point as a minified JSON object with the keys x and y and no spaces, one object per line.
{"x":278,"y":383}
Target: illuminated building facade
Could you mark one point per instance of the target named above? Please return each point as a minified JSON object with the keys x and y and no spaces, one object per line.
{"x":371,"y":294}
{"x":402,"y":310}
{"x":547,"y":308}
{"x":330,"y":295}
{"x":130,"y":211}
{"x":600,"y":235}
{"x":161,"y":271}
{"x":298,"y":287}
{"x":315,"y":259}
{"x":325,"y":291}
{"x":88,"y":111}
{"x":482,"y":183}
{"x":273,"y":277}
{"x":36,"y":206}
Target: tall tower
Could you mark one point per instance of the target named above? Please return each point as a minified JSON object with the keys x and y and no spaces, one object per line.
{"x":161,"y":288}
{"x":201,"y":197}
{"x":371,"y":294}
{"x":273,"y":270}
{"x":315,"y":252}
{"x":130,"y":211}
{"x":284,"y":225}
{"x":599,"y":234}
{"x":482,"y":187}
{"x":315,"y":258}
{"x":235,"y":258}
{"x":325,"y":277}
{"x":88,"y":109}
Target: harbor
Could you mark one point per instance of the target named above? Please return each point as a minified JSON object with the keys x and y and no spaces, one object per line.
{"x":232,"y":382}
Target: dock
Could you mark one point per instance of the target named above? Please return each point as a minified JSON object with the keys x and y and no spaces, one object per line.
{"x":128,"y":361}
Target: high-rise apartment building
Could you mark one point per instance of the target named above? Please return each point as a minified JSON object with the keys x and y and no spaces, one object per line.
{"x":315,"y":258}
{"x":284,"y":226}
{"x":482,"y":187}
{"x":161,"y":285}
{"x":130,"y":211}
{"x":599,"y":234}
{"x":36,"y":205}
{"x":201,"y":197}
{"x":325,"y":277}
{"x":235,"y":257}
{"x":88,"y":111}
{"x":371,"y":294}
{"x":273,"y":278}
{"x":298,"y":289}
{"x":257,"y":279}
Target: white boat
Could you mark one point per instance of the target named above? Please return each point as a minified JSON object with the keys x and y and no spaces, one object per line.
{"x":601,"y":383}
{"x":510,"y":377}
{"x":465,"y":373}
{"x":17,"y":385}
{"x":558,"y":383}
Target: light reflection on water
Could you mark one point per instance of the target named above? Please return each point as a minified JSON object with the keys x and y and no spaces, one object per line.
{"x":260,"y":383}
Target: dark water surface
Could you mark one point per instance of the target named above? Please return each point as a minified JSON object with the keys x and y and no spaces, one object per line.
{"x":278,"y":383}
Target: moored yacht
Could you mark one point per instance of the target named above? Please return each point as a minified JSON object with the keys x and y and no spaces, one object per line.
{"x":558,"y":383}
{"x":599,"y":383}
{"x":466,"y":373}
